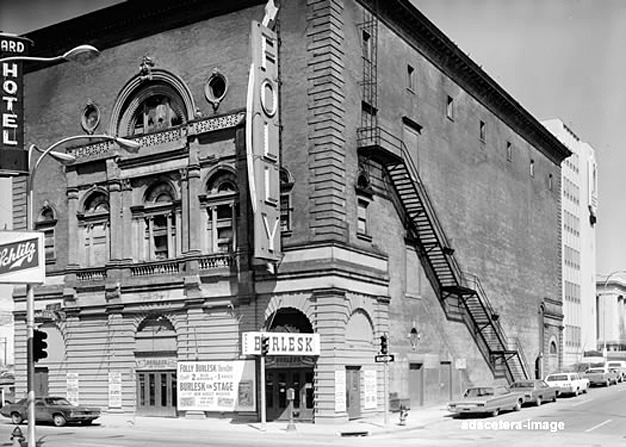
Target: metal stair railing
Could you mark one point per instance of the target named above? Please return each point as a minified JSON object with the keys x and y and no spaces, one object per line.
{"x":502,"y":338}
{"x":398,"y":158}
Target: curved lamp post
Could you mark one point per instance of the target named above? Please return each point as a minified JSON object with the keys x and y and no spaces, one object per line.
{"x":65,"y":158}
{"x":77,"y":54}
{"x":80,"y":53}
{"x":606,"y":283}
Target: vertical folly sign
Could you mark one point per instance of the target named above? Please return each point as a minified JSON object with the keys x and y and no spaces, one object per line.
{"x":13,"y":157}
{"x":22,"y":258}
{"x":262,"y":142}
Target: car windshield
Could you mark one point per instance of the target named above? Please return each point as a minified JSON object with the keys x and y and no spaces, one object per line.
{"x":479,"y":392}
{"x":614,"y":365}
{"x":56,"y":401}
{"x":557,"y":377}
{"x":522,"y":385}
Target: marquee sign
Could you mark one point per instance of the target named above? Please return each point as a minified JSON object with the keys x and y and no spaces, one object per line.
{"x":281,"y":343}
{"x":13,"y":157}
{"x":22,"y":258}
{"x":262,"y":142}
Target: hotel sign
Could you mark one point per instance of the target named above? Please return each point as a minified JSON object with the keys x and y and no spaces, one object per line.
{"x":22,"y":258}
{"x":281,"y":343}
{"x":13,"y":157}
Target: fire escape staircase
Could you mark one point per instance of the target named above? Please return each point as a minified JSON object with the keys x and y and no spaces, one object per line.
{"x":461,"y":296}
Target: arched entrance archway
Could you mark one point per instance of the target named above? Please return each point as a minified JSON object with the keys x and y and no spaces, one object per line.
{"x":283,"y":372}
{"x":155,"y":356}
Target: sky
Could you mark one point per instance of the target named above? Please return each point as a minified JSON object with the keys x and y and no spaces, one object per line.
{"x":557,"y":58}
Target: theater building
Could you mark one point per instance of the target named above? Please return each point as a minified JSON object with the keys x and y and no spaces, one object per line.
{"x":331,"y":174}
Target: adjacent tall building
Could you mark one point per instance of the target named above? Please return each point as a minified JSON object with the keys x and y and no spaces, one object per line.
{"x":336,"y":174}
{"x":579,"y":205}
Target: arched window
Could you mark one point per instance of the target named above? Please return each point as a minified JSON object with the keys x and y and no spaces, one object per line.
{"x":553,"y":348}
{"x":157,"y":223}
{"x":157,"y":106}
{"x":220,"y":203}
{"x":93,"y":222}
{"x":46,"y":221}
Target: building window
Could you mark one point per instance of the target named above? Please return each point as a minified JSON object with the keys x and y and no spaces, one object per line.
{"x":553,"y":348}
{"x":46,"y":221}
{"x":509,"y":151}
{"x":550,"y":182}
{"x":362,"y":226}
{"x":286,"y":186}
{"x":154,"y":108}
{"x":366,"y":45}
{"x":93,"y":223}
{"x":481,"y":131}
{"x":220,"y":203}
{"x":158,"y":222}
{"x":410,"y":78}
{"x":532,"y":168}
{"x":450,"y":108}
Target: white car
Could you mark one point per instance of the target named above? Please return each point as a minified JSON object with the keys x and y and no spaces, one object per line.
{"x":568,"y":383}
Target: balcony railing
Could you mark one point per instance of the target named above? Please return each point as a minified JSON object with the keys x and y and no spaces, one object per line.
{"x":92,"y":274}
{"x":157,"y":268}
{"x":217,"y":261}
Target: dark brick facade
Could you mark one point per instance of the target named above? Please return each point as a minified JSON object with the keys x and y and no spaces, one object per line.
{"x":502,"y":223}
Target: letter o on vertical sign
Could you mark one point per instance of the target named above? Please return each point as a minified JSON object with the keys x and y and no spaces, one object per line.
{"x":269,"y":98}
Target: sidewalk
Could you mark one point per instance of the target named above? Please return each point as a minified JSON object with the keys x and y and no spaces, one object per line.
{"x":370,"y":426}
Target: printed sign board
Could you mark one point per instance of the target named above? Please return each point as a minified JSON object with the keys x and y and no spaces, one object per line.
{"x":22,"y":258}
{"x":216,"y":386}
{"x":13,"y":157}
{"x":281,"y":343}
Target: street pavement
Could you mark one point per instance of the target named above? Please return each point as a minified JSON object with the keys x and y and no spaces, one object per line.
{"x":594,"y":419}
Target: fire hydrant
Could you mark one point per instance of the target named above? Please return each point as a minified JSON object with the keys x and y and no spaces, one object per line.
{"x":403,"y":414}
{"x":17,"y":437}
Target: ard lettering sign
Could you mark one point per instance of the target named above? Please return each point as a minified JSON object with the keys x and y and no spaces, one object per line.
{"x":22,"y":258}
{"x":13,"y":157}
{"x":281,"y":343}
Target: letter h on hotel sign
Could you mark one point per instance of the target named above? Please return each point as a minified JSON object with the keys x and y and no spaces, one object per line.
{"x":264,"y":136}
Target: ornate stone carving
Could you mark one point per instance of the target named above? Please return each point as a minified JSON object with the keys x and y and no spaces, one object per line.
{"x":145,"y":69}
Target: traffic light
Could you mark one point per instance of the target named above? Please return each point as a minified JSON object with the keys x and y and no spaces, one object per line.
{"x":384,"y":349}
{"x":40,"y":345}
{"x":265,"y":345}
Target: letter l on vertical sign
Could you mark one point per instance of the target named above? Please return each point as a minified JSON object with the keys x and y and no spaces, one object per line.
{"x":262,"y":142}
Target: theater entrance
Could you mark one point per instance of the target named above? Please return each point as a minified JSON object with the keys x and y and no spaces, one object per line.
{"x":284,"y":372}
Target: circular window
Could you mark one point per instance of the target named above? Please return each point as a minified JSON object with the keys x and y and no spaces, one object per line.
{"x":216,"y":88}
{"x":91,"y":118}
{"x":268,"y":97}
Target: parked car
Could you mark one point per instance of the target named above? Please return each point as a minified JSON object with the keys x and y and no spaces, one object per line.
{"x":57,"y":410}
{"x":535,"y":391}
{"x":568,"y":383}
{"x":620,"y":367}
{"x":602,"y":376}
{"x":487,"y":399}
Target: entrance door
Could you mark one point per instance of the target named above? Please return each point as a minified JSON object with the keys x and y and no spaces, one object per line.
{"x":156,"y":393}
{"x":41,"y":382}
{"x":277,"y":382}
{"x":445,"y":381}
{"x":353,"y":391}
{"x":416,"y":384}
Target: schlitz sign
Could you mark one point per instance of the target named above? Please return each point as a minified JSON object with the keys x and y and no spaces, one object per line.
{"x":281,"y":343}
{"x":22,"y":258}
{"x":13,"y":157}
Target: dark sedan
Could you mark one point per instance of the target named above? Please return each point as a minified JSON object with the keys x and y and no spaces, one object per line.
{"x":56,"y":410}
{"x":535,"y":391}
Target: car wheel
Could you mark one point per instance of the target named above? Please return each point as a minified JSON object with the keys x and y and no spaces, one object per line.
{"x":518,"y":406}
{"x":538,"y":401}
{"x":495,"y":412}
{"x":59,"y":420}
{"x":16,"y":418}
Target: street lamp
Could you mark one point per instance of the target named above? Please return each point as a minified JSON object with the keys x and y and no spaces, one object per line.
{"x":79,"y":54}
{"x":65,"y":158}
{"x":606,"y":282}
